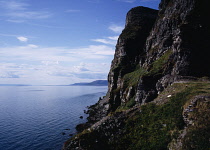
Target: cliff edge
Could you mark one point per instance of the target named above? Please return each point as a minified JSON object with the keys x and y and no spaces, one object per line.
{"x":159,"y":90}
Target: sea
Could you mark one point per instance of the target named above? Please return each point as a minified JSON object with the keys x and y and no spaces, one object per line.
{"x":43,"y":117}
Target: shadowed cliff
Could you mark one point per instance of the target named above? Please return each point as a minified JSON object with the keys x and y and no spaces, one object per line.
{"x":158,"y":96}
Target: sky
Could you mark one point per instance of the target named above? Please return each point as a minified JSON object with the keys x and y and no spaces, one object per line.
{"x":60,"y":42}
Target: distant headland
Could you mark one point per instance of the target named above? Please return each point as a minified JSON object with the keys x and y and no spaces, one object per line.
{"x":94,"y":83}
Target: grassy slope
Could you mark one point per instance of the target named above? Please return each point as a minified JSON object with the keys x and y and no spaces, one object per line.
{"x":131,"y":79}
{"x":157,"y":124}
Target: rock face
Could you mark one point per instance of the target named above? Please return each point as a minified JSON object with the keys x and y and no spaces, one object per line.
{"x":129,"y":50}
{"x":177,"y":35}
{"x":157,"y":52}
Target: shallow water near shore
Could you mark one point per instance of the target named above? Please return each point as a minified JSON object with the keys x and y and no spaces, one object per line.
{"x":42,"y":117}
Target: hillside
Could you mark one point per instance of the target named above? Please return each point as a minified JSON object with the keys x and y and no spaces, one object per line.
{"x":158,"y":94}
{"x":94,"y":83}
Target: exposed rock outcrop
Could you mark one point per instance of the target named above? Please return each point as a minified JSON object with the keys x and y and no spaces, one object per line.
{"x":181,"y":33}
{"x":158,"y":53}
{"x":129,"y":51}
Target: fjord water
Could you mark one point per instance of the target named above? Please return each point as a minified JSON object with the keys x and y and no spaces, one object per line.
{"x":42,"y":117}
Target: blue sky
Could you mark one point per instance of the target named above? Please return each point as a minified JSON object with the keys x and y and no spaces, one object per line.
{"x":57,"y":42}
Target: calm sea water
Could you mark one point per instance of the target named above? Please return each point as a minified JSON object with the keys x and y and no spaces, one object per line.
{"x":36,"y":117}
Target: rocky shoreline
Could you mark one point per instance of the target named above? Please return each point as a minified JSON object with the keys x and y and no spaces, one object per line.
{"x":160,"y":68}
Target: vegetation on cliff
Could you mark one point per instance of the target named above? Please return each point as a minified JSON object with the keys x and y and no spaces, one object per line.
{"x":155,"y":126}
{"x":158,"y":97}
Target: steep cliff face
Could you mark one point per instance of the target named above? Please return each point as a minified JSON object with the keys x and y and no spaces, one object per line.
{"x":158,"y":57}
{"x":129,"y":50}
{"x":182,"y":31}
{"x":174,"y":47}
{"x":158,"y":96}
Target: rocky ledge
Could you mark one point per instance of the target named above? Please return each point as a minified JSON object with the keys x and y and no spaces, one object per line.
{"x":158,"y":92}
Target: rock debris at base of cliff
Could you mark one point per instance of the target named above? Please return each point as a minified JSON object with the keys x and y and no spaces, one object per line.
{"x":159,"y":90}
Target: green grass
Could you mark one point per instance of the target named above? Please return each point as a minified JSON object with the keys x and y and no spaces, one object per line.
{"x":156,"y":125}
{"x":198,"y":135}
{"x":129,"y":104}
{"x":159,"y":65}
{"x":131,"y":79}
{"x":197,"y":139}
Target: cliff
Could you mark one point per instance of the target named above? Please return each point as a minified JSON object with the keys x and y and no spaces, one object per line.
{"x":158,"y":96}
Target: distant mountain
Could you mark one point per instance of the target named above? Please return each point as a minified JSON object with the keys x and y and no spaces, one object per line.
{"x":94,"y":83}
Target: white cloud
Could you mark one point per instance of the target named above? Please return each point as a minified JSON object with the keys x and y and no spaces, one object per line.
{"x":51,"y":73}
{"x":13,"y":5}
{"x":80,"y":69}
{"x":22,"y":39}
{"x":15,"y":21}
{"x":32,"y":46}
{"x":90,"y":71}
{"x":47,"y":63}
{"x":30,"y":14}
{"x":91,"y":75}
{"x":8,"y":74}
{"x":116,"y":28}
{"x":8,"y":70}
{"x":32,"y":64}
{"x":72,"y":10}
{"x":9,"y":35}
{"x":17,"y":11}
{"x":113,"y":38}
{"x":92,"y":52}
{"x":16,"y":36}
{"x":105,"y":41}
{"x":33,"y":52}
{"x":46,"y":26}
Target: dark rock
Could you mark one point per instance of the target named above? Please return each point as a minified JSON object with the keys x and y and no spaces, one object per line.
{"x":154,"y":50}
{"x":85,"y":111}
{"x":129,"y":51}
{"x":177,"y":29}
{"x":81,"y":117}
{"x":81,"y":127}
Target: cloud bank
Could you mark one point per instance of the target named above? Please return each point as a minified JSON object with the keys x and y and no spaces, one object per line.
{"x":54,"y":65}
